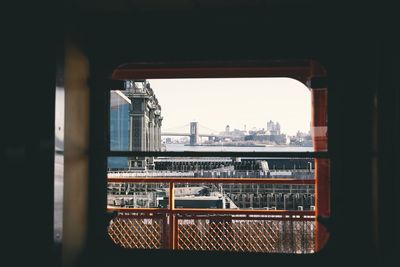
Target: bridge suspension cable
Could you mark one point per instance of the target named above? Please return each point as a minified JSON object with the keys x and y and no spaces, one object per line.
{"x":207,"y":128}
{"x":185,"y":128}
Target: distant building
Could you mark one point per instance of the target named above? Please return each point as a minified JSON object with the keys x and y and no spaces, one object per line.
{"x":273,"y":128}
{"x":301,"y":139}
{"x":272,"y":135}
{"x":278,"y":128}
{"x":279,"y":139}
{"x":237,"y":132}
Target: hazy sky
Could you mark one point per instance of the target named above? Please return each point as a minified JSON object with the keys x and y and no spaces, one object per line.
{"x":237,"y":102}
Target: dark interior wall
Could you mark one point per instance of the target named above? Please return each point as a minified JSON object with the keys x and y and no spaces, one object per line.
{"x":28,"y":79}
{"x":347,"y":39}
{"x":385,"y":191}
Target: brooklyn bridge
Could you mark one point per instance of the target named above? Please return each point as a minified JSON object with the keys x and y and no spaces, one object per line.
{"x":194,"y":133}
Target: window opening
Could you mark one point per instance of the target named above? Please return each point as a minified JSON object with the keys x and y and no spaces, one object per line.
{"x":231,"y":189}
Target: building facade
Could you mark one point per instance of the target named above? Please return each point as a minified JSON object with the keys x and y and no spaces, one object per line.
{"x":145,"y":122}
{"x":119,"y":128}
{"x":135,"y":124}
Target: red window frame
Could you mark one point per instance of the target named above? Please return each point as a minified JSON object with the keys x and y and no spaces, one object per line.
{"x":304,"y":71}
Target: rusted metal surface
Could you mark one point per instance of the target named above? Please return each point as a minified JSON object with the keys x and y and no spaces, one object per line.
{"x":172,"y":217}
{"x":299,"y":70}
{"x":322,"y":166}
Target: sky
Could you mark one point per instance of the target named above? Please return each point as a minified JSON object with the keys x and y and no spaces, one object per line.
{"x":215,"y":103}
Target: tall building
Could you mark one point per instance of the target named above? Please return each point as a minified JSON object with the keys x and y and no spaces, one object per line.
{"x":278,"y":128}
{"x":273,"y":128}
{"x":145,"y":122}
{"x":135,"y":124}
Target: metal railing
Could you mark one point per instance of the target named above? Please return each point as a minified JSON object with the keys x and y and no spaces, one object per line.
{"x":247,"y":230}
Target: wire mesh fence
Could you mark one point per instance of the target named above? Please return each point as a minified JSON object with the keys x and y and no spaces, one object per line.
{"x":243,"y":233}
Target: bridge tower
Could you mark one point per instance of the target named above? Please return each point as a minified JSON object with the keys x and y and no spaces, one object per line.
{"x":194,"y":134}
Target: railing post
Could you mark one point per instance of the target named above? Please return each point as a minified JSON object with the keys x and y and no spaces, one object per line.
{"x":172,"y":218}
{"x":322,"y":180}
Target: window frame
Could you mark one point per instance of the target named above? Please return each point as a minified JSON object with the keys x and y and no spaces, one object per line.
{"x":309,"y":72}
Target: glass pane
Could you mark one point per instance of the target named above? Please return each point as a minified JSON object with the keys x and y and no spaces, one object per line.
{"x":236,"y":114}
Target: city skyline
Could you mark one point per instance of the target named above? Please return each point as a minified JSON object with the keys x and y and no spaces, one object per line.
{"x":237,"y":102}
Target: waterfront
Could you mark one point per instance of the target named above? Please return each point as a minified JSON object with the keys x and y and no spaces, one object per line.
{"x":182,"y":147}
